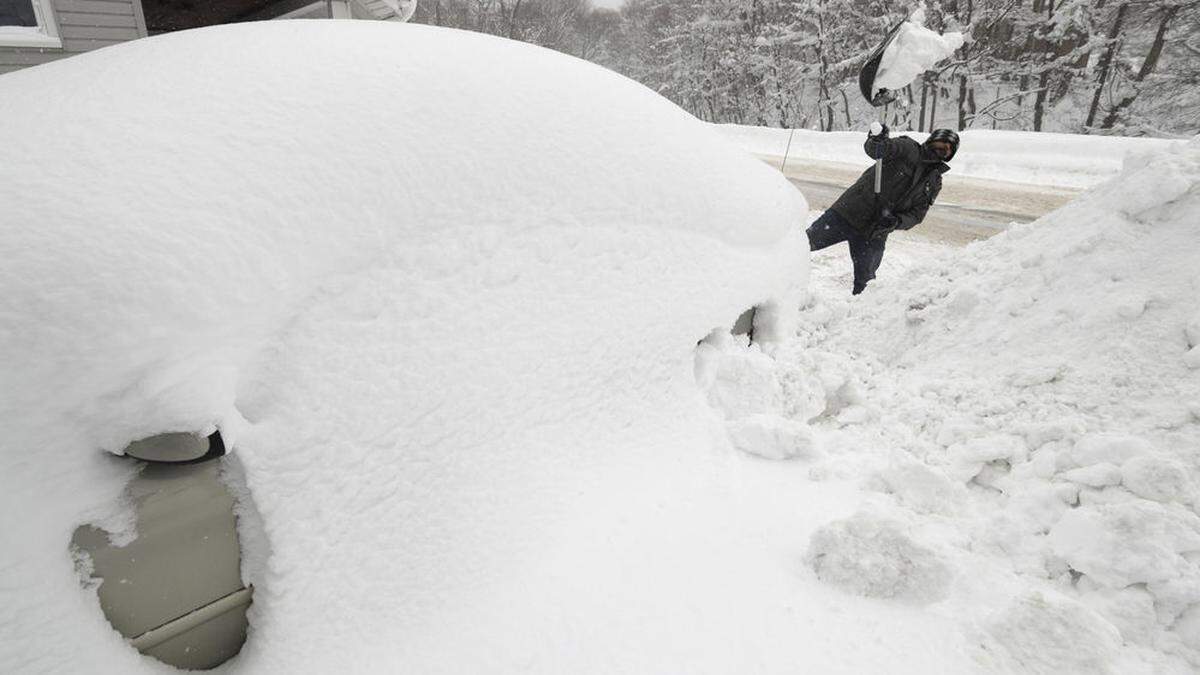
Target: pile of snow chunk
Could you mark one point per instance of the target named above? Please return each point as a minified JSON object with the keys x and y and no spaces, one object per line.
{"x":765,"y":407}
{"x":1044,"y":377}
{"x":439,"y":291}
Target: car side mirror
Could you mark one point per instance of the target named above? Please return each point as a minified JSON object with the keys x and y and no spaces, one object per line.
{"x":177,"y":448}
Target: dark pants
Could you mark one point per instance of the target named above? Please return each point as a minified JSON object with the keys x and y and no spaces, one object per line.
{"x":866,"y":253}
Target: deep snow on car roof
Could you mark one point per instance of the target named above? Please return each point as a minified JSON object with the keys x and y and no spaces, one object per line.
{"x":437,"y":290}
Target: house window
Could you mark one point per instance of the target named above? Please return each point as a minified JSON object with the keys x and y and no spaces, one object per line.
{"x":28,"y":23}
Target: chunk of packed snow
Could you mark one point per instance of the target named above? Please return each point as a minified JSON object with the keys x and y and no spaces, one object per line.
{"x":1043,"y":462}
{"x":967,"y":459}
{"x":1068,"y":493}
{"x":1108,"y":449}
{"x":1038,"y":434}
{"x":1159,"y":478}
{"x":878,"y":557}
{"x":1130,"y":610}
{"x":1095,"y":475}
{"x":923,"y":488}
{"x":772,"y":437}
{"x":1046,"y":633}
{"x":441,"y":292}
{"x":1127,"y":543}
{"x":914,"y":50}
{"x":1037,"y":505}
{"x":993,"y":475}
{"x":743,"y":383}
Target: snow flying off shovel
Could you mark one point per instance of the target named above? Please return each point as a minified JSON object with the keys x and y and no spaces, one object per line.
{"x":878,"y":97}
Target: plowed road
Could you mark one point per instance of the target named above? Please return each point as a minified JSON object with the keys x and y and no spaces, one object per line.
{"x":967,"y":209}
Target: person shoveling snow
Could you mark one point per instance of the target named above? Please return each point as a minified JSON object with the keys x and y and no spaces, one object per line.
{"x":902,"y":194}
{"x":864,"y":217}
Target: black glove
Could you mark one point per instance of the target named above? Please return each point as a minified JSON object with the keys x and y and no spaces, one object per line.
{"x":888,"y":222}
{"x":883,"y":130}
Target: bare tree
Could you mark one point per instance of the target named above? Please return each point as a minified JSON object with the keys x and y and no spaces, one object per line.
{"x":1126,"y":66}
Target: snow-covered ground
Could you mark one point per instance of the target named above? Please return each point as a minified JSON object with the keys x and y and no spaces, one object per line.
{"x":1060,"y":160}
{"x":445,"y":308}
{"x":1023,"y":415}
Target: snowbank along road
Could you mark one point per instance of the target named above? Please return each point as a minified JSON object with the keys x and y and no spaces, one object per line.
{"x":1022,"y":416}
{"x":998,"y":178}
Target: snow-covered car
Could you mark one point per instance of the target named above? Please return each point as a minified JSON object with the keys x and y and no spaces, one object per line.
{"x":440,"y":294}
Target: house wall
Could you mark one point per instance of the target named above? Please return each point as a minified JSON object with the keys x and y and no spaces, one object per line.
{"x":83,"y":25}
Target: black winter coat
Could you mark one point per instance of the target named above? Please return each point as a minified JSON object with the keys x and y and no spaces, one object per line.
{"x":912,"y":178}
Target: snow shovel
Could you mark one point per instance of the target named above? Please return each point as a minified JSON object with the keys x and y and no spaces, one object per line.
{"x":878,"y":98}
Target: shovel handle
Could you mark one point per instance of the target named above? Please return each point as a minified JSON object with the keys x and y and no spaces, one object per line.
{"x":879,"y":162}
